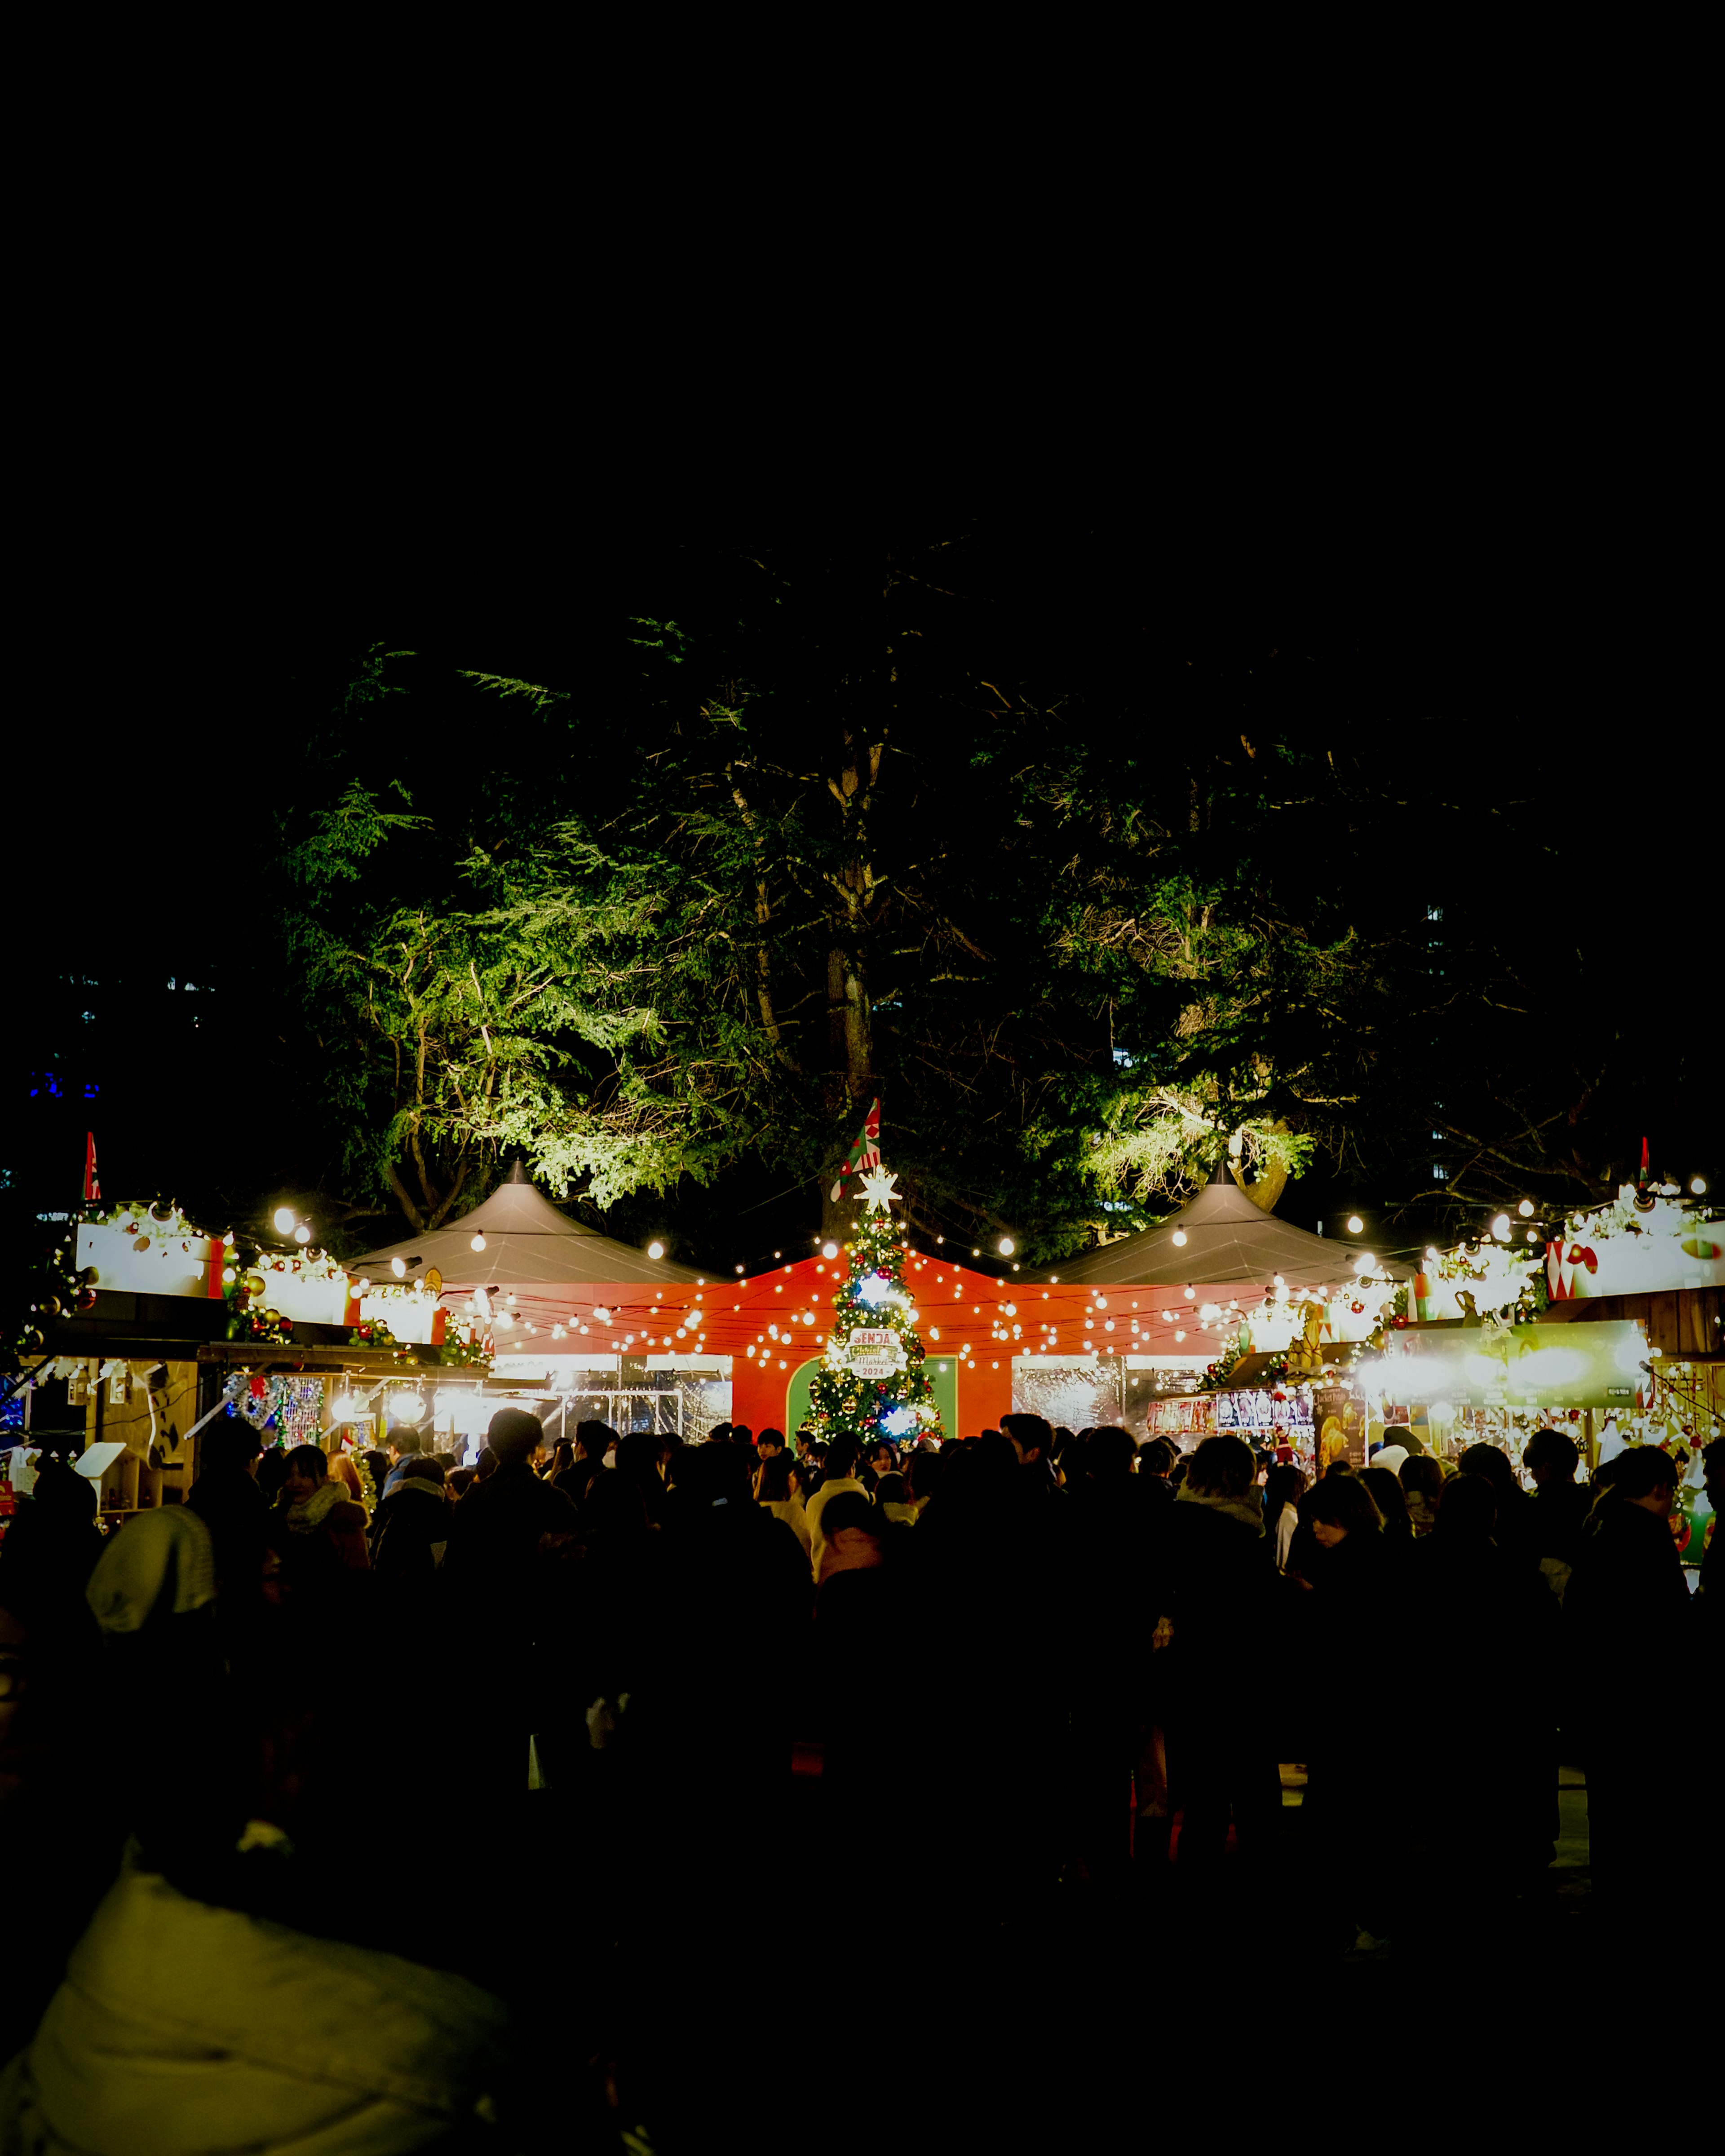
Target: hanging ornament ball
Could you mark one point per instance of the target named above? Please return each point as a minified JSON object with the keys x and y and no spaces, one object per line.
{"x":253,"y":1283}
{"x":272,"y":1318}
{"x":86,"y":1298}
{"x":51,"y":1307}
{"x":142,"y":1244}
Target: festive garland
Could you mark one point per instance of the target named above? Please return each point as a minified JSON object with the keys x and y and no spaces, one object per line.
{"x":249,"y":1316}
{"x":466,"y":1348}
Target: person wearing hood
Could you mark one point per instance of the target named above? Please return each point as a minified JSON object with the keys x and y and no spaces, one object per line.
{"x":412,"y":1523}
{"x":232,"y":1989}
{"x":1217,"y":1579}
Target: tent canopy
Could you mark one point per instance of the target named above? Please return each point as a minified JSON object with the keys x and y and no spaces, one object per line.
{"x":1228,"y":1238}
{"x":528,"y":1244}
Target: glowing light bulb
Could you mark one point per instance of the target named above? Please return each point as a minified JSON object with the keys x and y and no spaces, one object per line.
{"x":655,"y":1250}
{"x":478,"y":1241}
{"x":1191,"y":1294}
{"x":1697,"y":1184}
{"x":399,"y":1266}
{"x":1007,"y":1246}
{"x":284,"y":1219}
{"x":1179,"y":1239}
{"x":1500,"y":1226}
{"x":1354,"y":1223}
{"x":302,"y":1234}
{"x":830,"y":1250}
{"x":1526,"y":1208}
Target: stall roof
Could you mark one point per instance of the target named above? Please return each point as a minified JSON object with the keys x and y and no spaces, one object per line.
{"x":528,"y":1244}
{"x":1228,"y":1238}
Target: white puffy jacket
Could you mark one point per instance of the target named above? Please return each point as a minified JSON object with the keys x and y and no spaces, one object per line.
{"x":181,"y":2029}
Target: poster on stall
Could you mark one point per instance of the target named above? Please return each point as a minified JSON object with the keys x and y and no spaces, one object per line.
{"x":1338,"y":1416}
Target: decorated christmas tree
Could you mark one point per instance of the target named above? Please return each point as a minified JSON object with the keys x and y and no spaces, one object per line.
{"x":872,"y":1383}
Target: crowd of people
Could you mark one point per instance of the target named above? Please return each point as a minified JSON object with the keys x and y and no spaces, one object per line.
{"x":241,"y":1737}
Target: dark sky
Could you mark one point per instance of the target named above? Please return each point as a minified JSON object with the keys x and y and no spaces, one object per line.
{"x":157,"y":716}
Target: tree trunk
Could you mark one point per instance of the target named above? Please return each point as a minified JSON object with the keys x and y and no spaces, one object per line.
{"x":850,"y":1083}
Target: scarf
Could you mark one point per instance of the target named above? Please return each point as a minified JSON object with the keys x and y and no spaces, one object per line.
{"x":307,"y":1518}
{"x":1246,"y":1510}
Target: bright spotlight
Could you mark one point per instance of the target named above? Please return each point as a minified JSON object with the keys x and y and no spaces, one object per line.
{"x":284,"y":1218}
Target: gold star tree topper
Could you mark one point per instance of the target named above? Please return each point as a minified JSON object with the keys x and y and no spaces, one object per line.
{"x":878,"y":1188}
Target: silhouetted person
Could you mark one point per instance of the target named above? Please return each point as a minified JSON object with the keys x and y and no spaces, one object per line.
{"x":1488,"y":1703}
{"x":1355,"y":1629}
{"x":412,"y":1526}
{"x":1422,"y":1480}
{"x":1032,"y":1440}
{"x":1111,"y":1522}
{"x":1516,"y":1533}
{"x":1626,"y":1613}
{"x":495,"y":1532}
{"x":1560,"y":1504}
{"x":1216,"y":1580}
{"x":1155,"y":1460}
{"x":593,"y":1441}
{"x":226,"y":1498}
{"x":1283,"y":1485}
{"x":497,"y":1575}
{"x":51,"y":1546}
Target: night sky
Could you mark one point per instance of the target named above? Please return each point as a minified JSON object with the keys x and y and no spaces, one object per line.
{"x":143,"y":1004}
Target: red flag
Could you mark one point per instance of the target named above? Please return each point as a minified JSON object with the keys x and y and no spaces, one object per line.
{"x":92,"y":1185}
{"x":865,"y":1154}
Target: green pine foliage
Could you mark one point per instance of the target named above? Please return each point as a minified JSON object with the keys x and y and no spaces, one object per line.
{"x":842,"y":1404}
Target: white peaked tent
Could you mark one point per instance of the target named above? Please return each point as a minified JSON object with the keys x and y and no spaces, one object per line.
{"x":1228,"y":1238}
{"x":528,"y":1245}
